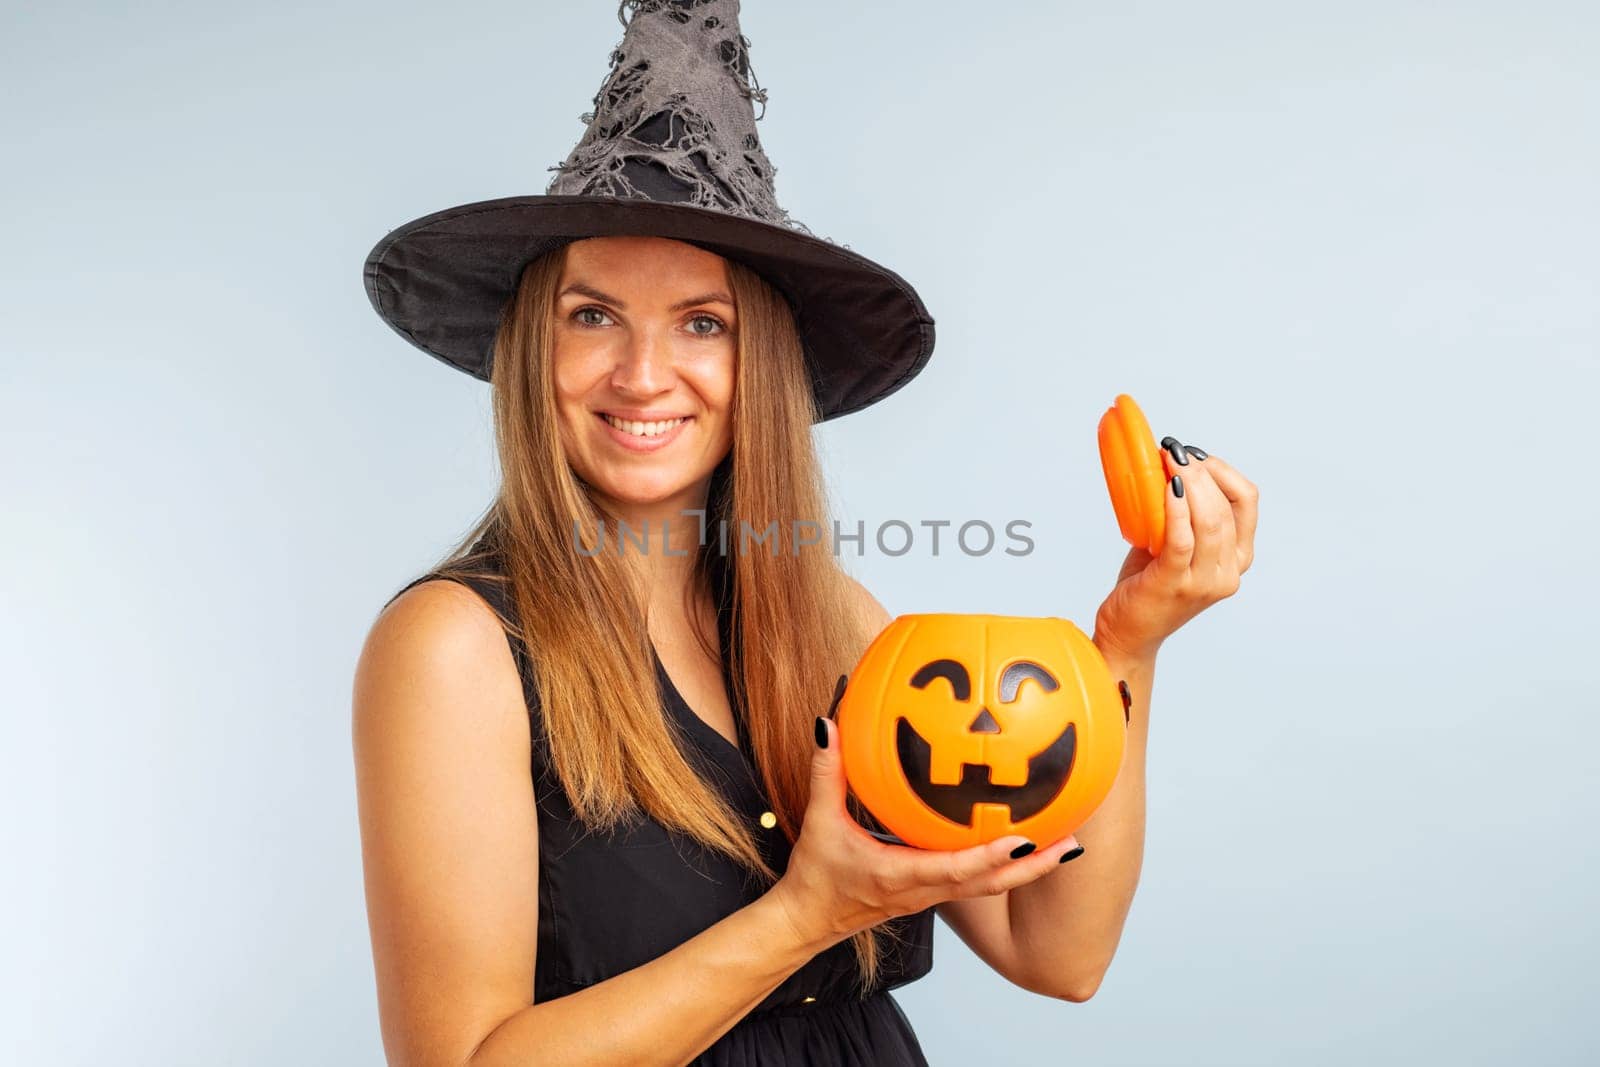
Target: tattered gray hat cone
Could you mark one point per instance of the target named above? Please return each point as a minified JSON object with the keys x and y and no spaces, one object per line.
{"x":670,"y":150}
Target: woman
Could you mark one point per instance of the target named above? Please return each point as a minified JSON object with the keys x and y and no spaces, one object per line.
{"x":680,"y":877}
{"x":450,"y":818}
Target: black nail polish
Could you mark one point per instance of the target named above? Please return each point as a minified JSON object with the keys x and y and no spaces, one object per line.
{"x":1023,"y":849}
{"x":1197,"y":453}
{"x":1127,"y":700}
{"x":1177,"y":485}
{"x":1072,"y":854}
{"x":822,"y":732}
{"x":838,"y":694}
{"x":1175,"y":447}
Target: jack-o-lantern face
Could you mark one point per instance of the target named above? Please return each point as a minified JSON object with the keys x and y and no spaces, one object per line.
{"x":958,"y":729}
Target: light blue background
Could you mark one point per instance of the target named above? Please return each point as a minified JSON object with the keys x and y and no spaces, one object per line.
{"x":1353,"y":248}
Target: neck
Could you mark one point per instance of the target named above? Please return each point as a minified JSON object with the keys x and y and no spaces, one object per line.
{"x":661,"y":542}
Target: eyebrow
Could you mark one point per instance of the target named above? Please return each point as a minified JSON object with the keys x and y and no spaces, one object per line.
{"x":594,"y":294}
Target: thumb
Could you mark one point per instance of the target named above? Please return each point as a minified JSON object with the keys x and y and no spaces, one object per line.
{"x":827,"y":770}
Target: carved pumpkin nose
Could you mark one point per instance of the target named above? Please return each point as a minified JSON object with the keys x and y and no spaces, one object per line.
{"x":983,"y":724}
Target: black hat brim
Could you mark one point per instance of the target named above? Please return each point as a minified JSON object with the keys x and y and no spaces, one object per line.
{"x":441,"y":282}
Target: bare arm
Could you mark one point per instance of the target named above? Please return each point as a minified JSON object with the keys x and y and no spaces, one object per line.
{"x":450,"y":847}
{"x":1059,"y":933}
{"x":666,"y":1011}
{"x":1057,"y":936}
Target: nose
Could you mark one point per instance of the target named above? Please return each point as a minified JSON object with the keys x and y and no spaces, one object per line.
{"x":644,"y":366}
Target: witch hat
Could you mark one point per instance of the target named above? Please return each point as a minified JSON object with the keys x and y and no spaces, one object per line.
{"x":670,"y":150}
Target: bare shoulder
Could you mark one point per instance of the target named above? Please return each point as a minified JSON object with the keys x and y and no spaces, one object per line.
{"x":449,"y":827}
{"x":874,"y":616}
{"x":438,"y":645}
{"x":434,"y":612}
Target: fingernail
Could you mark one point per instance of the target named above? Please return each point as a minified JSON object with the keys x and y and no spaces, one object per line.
{"x":1127,"y":699}
{"x":1071,"y":854}
{"x":1023,"y":849}
{"x":1197,"y":453}
{"x":838,"y":694}
{"x":1177,"y":485}
{"x":822,"y":732}
{"x":1174,"y":446}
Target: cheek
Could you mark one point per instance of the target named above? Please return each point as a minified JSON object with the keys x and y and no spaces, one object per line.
{"x":576,"y":371}
{"x":714,"y":378}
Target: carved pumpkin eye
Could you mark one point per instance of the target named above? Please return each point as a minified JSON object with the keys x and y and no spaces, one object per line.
{"x":1014,"y":675}
{"x":951,"y":671}
{"x":1025,"y":735}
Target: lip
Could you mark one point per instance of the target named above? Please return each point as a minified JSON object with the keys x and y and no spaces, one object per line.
{"x":641,"y":444}
{"x":643,"y":414}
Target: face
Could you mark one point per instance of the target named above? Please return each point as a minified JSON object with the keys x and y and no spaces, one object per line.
{"x":644,"y":364}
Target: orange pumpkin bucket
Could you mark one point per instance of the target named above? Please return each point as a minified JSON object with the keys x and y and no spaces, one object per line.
{"x":1135,"y":476}
{"x":956,"y":730}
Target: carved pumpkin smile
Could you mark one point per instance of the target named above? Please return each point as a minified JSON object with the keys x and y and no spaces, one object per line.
{"x":1047,"y":775}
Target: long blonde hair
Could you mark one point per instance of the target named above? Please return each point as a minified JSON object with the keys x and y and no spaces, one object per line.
{"x":794,"y":623}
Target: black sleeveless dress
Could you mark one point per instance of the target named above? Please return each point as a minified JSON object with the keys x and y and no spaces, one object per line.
{"x":610,"y":903}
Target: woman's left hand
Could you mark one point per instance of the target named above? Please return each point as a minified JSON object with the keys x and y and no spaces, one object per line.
{"x":1210,"y":542}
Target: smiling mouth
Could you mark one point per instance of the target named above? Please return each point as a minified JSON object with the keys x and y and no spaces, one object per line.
{"x":1048,"y":772}
{"x":643,"y":430}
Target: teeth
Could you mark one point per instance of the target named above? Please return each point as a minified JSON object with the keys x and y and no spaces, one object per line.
{"x":642,"y":429}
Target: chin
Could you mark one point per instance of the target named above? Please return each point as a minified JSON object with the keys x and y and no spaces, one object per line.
{"x":640,"y":490}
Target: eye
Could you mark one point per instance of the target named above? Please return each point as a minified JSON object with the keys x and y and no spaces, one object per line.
{"x":1012,"y":677}
{"x":716,"y":322}
{"x":588,"y":309}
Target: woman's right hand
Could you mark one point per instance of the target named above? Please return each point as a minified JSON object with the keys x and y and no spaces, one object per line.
{"x":842,"y":879}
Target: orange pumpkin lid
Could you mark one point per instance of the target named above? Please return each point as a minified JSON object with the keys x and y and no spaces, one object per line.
{"x":1135,"y":476}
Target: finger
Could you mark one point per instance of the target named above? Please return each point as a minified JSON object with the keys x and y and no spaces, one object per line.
{"x":827,"y":772}
{"x":1049,"y":856}
{"x":838,"y":695}
{"x":1177,"y":549}
{"x":1059,"y":850}
{"x":1243,"y":496}
{"x":1032,"y":868}
{"x":1210,"y":515}
{"x":962,"y":866}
